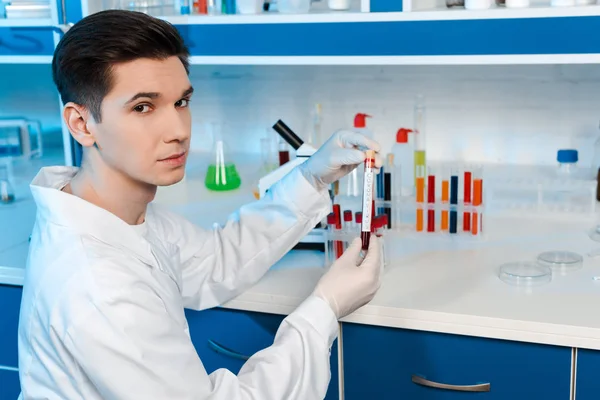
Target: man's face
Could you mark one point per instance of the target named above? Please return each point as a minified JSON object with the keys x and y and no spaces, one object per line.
{"x":146,"y":122}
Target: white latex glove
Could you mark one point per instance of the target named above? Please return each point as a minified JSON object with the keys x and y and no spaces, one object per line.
{"x":337,"y":157}
{"x":346,"y":287}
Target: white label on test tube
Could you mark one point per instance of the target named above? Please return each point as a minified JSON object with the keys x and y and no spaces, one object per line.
{"x":367,"y":207}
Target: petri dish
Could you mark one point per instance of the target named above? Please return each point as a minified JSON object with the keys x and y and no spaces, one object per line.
{"x":561,"y":261}
{"x":525,"y":274}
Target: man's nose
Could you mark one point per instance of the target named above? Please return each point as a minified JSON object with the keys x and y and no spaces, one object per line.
{"x":178,"y":127}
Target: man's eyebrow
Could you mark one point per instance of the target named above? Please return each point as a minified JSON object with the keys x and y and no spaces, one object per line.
{"x":188,"y":92}
{"x":150,"y":95}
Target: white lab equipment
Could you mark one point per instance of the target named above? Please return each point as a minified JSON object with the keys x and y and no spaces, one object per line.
{"x":316,"y":237}
{"x":20,"y":138}
{"x":89,"y":272}
{"x":7,"y":193}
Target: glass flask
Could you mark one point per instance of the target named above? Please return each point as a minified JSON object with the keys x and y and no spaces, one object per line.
{"x":222,"y":174}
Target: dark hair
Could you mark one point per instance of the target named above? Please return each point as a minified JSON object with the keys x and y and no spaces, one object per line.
{"x":84,"y":57}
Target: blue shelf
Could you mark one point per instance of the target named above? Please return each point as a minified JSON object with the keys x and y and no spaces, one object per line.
{"x":519,"y":36}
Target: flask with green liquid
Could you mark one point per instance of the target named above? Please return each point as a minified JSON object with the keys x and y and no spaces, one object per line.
{"x":222,"y":174}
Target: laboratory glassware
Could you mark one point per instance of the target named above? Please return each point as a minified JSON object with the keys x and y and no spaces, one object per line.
{"x":222,"y":174}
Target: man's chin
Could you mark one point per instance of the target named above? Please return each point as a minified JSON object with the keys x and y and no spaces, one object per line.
{"x":171,"y":180}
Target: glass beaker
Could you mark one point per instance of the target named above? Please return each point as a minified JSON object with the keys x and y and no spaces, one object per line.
{"x":7,"y":193}
{"x":222,"y":174}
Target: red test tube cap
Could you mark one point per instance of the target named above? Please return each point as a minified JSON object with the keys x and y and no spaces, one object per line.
{"x":331,"y":219}
{"x":347,"y":216}
{"x":358,"y":217}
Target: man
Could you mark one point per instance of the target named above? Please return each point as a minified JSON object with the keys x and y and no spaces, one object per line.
{"x":109,"y":274}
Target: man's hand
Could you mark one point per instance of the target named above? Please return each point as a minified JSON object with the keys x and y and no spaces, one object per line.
{"x":346,"y":287}
{"x":337,"y":157}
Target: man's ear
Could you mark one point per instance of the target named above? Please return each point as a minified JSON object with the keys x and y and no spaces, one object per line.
{"x":76,"y":117}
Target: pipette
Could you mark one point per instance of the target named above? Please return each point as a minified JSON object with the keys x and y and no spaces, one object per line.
{"x":367,"y":206}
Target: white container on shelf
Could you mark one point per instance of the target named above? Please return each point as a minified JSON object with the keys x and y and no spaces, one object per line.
{"x":478,"y":4}
{"x":293,"y":6}
{"x":585,"y":2}
{"x":338,"y":5}
{"x":517,"y":3}
{"x":562,"y":3}
{"x":249,"y":6}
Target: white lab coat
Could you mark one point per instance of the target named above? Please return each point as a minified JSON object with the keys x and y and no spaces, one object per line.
{"x":102,"y":315}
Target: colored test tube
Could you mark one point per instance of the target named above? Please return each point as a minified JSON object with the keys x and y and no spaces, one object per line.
{"x":420,"y":190}
{"x":453,"y":201}
{"x":431,"y":200}
{"x":467,"y":201}
{"x":330,"y":251}
{"x":477,"y":217}
{"x":445,"y":199}
{"x":358,"y":218}
{"x":339,"y":245}
{"x":387,"y":192}
{"x":348,"y":224}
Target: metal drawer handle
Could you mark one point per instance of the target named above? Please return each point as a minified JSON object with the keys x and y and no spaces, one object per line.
{"x":225,"y":351}
{"x":482,"y":387}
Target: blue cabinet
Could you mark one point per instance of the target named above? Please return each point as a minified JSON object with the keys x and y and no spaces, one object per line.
{"x":10,"y":299}
{"x":9,"y":385}
{"x":382,"y":363}
{"x":226,"y":338}
{"x":588,"y":375}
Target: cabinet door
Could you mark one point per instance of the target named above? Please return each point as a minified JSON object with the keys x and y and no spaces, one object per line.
{"x":10,"y":300}
{"x":9,"y":384}
{"x":226,"y":339}
{"x":18,"y":41}
{"x":588,"y":375}
{"x":381,"y":363}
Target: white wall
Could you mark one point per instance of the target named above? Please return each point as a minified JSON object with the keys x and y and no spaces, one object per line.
{"x":513,"y":114}
{"x":506,"y":114}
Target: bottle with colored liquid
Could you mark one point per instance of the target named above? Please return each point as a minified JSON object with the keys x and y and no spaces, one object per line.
{"x":222,"y":174}
{"x":419,"y":134}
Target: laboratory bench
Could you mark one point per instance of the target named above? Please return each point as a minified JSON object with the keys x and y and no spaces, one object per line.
{"x":442,"y":324}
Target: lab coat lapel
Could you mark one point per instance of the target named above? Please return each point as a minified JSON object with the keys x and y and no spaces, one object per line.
{"x":87,"y":219}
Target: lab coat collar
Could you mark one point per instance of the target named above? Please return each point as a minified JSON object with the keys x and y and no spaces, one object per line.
{"x":72,"y":212}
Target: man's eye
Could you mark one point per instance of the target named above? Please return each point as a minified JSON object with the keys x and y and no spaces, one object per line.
{"x":183,"y":103}
{"x":142,"y":108}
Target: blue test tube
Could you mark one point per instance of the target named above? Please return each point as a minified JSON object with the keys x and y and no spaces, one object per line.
{"x":453,"y":201}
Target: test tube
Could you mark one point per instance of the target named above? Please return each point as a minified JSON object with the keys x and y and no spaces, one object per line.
{"x":329,"y":255}
{"x":348,"y":225}
{"x":387,"y":193}
{"x":284,"y":152}
{"x":431,"y":200}
{"x":420,"y":188}
{"x":358,"y":218}
{"x":467,"y":202}
{"x":477,"y":223}
{"x":445,"y":199}
{"x":453,"y":201}
{"x":380,"y":188}
{"x":367,"y":206}
{"x":339,"y":245}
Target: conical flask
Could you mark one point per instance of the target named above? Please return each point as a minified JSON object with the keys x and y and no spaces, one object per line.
{"x":222,"y":174}
{"x":7,"y":193}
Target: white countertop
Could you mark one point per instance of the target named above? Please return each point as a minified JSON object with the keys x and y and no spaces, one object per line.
{"x":435,"y":284}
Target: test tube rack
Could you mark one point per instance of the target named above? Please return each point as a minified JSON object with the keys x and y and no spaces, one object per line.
{"x":340,"y":234}
{"x":542,"y":195}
